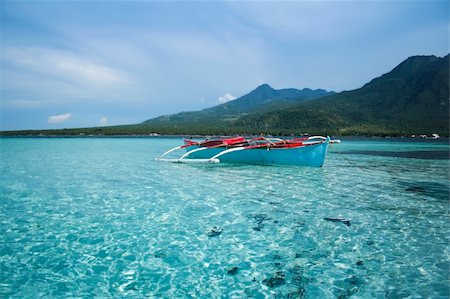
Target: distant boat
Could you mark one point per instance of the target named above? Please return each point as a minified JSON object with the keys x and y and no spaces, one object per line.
{"x":307,"y":151}
{"x":435,"y":136}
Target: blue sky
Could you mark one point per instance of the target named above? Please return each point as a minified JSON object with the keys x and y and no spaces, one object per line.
{"x":89,"y":63}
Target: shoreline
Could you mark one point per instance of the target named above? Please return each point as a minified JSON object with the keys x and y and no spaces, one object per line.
{"x":193,"y":136}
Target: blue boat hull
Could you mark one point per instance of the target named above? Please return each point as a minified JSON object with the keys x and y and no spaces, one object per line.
{"x":311,"y":155}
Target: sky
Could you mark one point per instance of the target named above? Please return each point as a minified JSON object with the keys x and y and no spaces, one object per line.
{"x":66,"y":64}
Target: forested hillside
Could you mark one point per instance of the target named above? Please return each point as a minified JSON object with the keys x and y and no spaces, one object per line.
{"x":413,"y":98}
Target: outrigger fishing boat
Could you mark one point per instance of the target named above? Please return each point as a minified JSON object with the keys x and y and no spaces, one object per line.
{"x":306,"y":151}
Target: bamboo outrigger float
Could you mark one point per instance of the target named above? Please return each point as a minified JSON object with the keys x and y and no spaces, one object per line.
{"x":307,"y":151}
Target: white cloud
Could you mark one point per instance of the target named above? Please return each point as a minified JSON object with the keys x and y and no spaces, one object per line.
{"x":135,"y":68}
{"x":63,"y":64}
{"x":103,"y":121}
{"x":57,"y":119}
{"x":226,"y":98}
{"x":63,"y":74}
{"x":89,"y":72}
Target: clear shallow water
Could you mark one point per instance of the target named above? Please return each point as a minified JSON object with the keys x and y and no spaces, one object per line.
{"x":85,"y":217}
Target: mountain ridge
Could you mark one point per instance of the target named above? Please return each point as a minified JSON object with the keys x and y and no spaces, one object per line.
{"x":254,"y":100}
{"x":412,"y":98}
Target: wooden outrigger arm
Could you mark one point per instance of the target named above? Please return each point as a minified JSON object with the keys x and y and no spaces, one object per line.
{"x":269,"y":143}
{"x":331,"y":141}
{"x":317,"y":137}
{"x":214,"y":158}
{"x":303,"y":151}
{"x":183,"y":158}
{"x":169,"y":151}
{"x":192,"y":151}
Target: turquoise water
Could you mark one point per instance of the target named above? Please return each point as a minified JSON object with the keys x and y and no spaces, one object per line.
{"x":83,"y":217}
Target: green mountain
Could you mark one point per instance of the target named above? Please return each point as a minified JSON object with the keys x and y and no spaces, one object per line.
{"x":264,"y":95}
{"x":413,"y":98}
{"x":263,"y":99}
